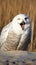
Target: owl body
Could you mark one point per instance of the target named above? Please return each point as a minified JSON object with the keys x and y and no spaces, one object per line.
{"x":16,"y":35}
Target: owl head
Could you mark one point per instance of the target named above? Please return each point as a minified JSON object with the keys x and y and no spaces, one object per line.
{"x":21,"y":22}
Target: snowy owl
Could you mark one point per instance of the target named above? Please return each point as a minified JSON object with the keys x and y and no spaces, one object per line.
{"x":17,"y":34}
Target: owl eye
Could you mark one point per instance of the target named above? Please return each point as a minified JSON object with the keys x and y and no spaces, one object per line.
{"x":26,"y":18}
{"x":18,"y":19}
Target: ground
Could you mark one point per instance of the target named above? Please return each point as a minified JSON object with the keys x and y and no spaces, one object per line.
{"x":17,"y":58}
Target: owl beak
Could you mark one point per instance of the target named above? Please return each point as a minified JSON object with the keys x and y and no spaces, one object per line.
{"x":22,"y":25}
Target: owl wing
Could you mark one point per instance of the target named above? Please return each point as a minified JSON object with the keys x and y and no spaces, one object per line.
{"x":4,"y":32}
{"x":25,"y":39}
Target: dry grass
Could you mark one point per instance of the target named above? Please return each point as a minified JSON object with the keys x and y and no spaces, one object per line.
{"x":9,"y":8}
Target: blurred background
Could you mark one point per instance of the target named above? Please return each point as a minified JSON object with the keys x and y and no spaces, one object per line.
{"x":10,"y":8}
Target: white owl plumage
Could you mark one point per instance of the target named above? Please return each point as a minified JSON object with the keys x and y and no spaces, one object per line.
{"x":17,"y":34}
